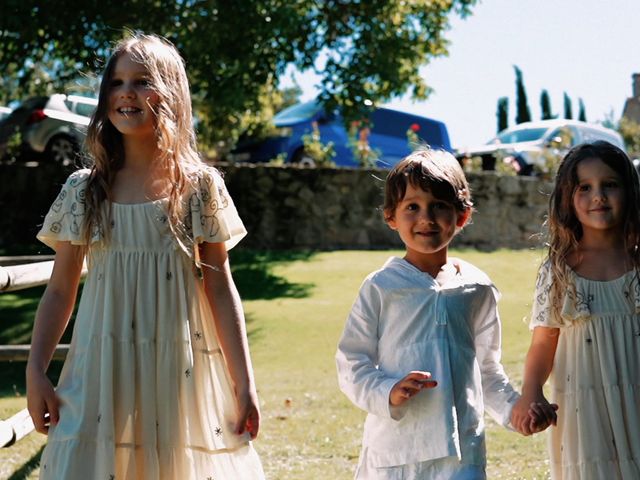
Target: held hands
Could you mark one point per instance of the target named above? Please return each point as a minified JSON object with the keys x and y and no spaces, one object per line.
{"x":42,"y":402}
{"x":409,"y":386}
{"x":533,"y":414}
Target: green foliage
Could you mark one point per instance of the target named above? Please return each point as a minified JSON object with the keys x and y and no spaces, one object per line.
{"x":359,"y":131}
{"x":630,"y":131}
{"x":582,"y":114}
{"x":235,"y":51}
{"x":523,"y":114}
{"x":280,"y":160}
{"x":568,"y":110}
{"x":14,"y":145}
{"x":318,"y":152}
{"x":502,"y":114}
{"x":545,"y":106}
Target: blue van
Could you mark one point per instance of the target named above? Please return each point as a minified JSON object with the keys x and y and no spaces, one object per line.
{"x":388,"y":136}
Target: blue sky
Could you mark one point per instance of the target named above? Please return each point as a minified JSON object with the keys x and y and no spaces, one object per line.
{"x":587,"y":48}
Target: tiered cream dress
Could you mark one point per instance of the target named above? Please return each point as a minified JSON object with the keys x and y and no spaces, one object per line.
{"x":145,"y":390}
{"x":596,"y":377}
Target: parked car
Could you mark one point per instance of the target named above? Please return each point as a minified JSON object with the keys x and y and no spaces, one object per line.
{"x":4,"y":111}
{"x":527,"y":146}
{"x":388,"y":136}
{"x":54,"y":125}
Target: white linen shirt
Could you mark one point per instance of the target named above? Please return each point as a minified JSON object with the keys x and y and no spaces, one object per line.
{"x":404,"y":320}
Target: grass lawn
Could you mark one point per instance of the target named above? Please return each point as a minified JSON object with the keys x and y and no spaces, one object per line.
{"x":296,"y":305}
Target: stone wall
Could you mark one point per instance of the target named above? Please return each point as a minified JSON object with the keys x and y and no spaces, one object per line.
{"x":303,"y":208}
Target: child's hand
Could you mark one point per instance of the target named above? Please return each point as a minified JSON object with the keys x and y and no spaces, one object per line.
{"x":249,"y":418}
{"x":532,"y":414}
{"x":42,"y":402}
{"x":409,"y":386}
{"x":541,"y":415}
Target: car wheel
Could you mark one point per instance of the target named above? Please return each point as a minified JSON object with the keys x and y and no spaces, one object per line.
{"x":303,"y":159}
{"x":62,"y":150}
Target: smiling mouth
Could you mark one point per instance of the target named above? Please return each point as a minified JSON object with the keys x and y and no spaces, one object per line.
{"x":129,"y":110}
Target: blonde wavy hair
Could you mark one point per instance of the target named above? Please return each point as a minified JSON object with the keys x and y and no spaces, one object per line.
{"x":565,"y":230}
{"x":175,"y":136}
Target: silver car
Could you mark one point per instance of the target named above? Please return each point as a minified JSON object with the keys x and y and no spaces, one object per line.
{"x":525,"y":147}
{"x":55,"y":126}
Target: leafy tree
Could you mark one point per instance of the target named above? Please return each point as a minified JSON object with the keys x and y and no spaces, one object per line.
{"x":502,"y":113}
{"x":523,"y":114}
{"x":236,"y":51}
{"x":545,"y":106}
{"x":630,"y":131}
{"x":568,"y":111}
{"x":582,"y":114}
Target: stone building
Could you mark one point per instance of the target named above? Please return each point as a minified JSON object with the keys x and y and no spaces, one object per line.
{"x":632,"y":105}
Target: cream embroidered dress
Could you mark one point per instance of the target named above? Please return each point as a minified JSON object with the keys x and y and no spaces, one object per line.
{"x":145,"y":392}
{"x":595,"y":378}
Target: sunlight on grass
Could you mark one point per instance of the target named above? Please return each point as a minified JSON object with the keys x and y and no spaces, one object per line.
{"x":296,"y":305}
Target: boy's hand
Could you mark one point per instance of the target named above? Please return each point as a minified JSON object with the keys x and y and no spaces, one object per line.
{"x":409,"y":386}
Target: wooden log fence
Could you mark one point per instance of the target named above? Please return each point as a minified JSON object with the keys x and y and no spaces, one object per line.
{"x":13,"y":278}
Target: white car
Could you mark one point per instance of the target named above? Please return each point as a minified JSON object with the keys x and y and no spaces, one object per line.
{"x":527,"y":146}
{"x":54,"y":125}
{"x":4,"y":112}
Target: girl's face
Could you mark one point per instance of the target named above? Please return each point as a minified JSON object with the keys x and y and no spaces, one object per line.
{"x":132,"y":100}
{"x":598,"y":199}
{"x":425,"y":223}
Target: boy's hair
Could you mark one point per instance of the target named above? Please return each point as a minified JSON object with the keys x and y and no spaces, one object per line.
{"x":175,"y":136}
{"x":565,"y":230}
{"x":435,"y":171}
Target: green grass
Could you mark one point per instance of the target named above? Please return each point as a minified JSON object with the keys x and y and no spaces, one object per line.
{"x":296,"y":305}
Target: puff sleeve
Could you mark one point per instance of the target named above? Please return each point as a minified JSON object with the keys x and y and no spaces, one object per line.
{"x":212,"y":215}
{"x":542,"y":313}
{"x":64,"y":220}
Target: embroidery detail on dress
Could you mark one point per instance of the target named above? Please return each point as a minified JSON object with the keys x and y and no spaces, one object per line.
{"x":198,"y":335}
{"x":72,"y":198}
{"x":187,"y":373}
{"x":218,"y":431}
{"x":583,"y":302}
{"x":202,"y":205}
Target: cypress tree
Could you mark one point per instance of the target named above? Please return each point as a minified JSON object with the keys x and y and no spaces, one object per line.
{"x":545,"y":106}
{"x":568,"y":113}
{"x":503,"y":113}
{"x":582,"y":114}
{"x":523,"y":114}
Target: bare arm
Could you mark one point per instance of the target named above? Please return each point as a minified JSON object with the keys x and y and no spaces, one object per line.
{"x":230,"y":326}
{"x":537,"y":368}
{"x":51,"y":320}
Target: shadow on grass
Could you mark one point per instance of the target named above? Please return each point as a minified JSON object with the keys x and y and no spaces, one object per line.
{"x":17,"y":311}
{"x":253,"y":275}
{"x":28,"y":468}
{"x":12,"y":381}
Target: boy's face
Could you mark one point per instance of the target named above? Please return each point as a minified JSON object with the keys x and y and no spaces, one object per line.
{"x":425,"y":224}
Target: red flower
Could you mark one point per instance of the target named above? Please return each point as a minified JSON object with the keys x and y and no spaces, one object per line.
{"x":414,"y":127}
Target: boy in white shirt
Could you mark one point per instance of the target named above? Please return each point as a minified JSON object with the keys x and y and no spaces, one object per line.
{"x":421,"y":348}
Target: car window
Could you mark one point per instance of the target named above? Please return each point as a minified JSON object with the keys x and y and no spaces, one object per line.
{"x":517,"y":136}
{"x":563,"y":137}
{"x":298,"y":113}
{"x":84,"y":109}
